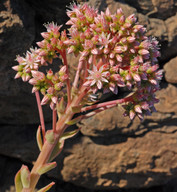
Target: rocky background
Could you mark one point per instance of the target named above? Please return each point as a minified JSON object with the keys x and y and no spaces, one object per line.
{"x":110,"y":152}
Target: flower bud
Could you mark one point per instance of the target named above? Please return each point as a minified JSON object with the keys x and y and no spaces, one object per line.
{"x":41,"y":44}
{"x":122,"y":19}
{"x":143,"y":52}
{"x":49,"y":74}
{"x":130,"y":39}
{"x":38,"y":75}
{"x":45,"y":100}
{"x":45,"y":35}
{"x":18,"y":75}
{"x":137,"y":108}
{"x":118,"y":49}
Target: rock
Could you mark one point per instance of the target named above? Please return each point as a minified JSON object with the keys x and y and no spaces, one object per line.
{"x":171,"y":25}
{"x":108,"y":123}
{"x":17,"y":34}
{"x":113,"y":6}
{"x":168,"y":100}
{"x":161,"y":9}
{"x":171,"y":71}
{"x":157,"y":28}
{"x":138,"y":162}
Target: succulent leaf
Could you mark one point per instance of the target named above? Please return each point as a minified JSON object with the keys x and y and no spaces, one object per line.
{"x":39,"y":138}
{"x":47,"y":167}
{"x":46,"y":188}
{"x":50,"y":136}
{"x":18,"y":182}
{"x":25,"y":176}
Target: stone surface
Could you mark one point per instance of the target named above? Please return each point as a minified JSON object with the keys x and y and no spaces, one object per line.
{"x":155,"y":8}
{"x":171,"y":71}
{"x":139,"y":162}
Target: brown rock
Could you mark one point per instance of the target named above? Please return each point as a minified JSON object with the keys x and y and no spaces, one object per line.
{"x":161,"y":9}
{"x":171,"y":71}
{"x":168,"y":100}
{"x":171,"y":24}
{"x":157,"y":28}
{"x":113,"y":6}
{"x":108,"y":123}
{"x":139,"y":162}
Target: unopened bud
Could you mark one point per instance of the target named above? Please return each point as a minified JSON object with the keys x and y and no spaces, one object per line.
{"x":45,"y":35}
{"x":143,"y":52}
{"x":38,"y":75}
{"x":45,"y":100}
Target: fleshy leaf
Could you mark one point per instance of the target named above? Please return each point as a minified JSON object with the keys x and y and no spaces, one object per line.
{"x":18,"y":182}
{"x":47,"y":167}
{"x":68,"y":134}
{"x":74,"y":121}
{"x":50,"y":136}
{"x":60,"y":107}
{"x":46,"y":188}
{"x":59,"y":146}
{"x":76,"y":109}
{"x":25,"y":176}
{"x":39,"y":138}
{"x":57,"y":149}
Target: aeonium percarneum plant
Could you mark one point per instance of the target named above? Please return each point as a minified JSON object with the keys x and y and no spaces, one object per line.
{"x":113,"y":52}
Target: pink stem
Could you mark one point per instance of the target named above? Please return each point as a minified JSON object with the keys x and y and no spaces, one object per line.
{"x":77,"y":74}
{"x":40,"y":113}
{"x":86,"y":71}
{"x":109,"y":103}
{"x":90,"y":114}
{"x":54,"y":120}
{"x":63,"y":54}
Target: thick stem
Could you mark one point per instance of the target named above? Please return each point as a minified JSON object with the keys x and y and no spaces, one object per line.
{"x":41,"y":116}
{"x":45,"y":153}
{"x":47,"y":148}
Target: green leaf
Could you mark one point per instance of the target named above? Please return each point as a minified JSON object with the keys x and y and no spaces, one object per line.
{"x":25,"y":176}
{"x":57,"y":149}
{"x":76,"y":109}
{"x":50,"y":136}
{"x":69,"y":134}
{"x":18,"y":183}
{"x":47,"y":167}
{"x":59,"y":146}
{"x":61,"y":106}
{"x":46,"y":188}
{"x":74,"y":121}
{"x":39,"y":138}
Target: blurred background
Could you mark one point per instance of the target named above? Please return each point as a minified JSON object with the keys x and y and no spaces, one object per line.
{"x":110,"y":153}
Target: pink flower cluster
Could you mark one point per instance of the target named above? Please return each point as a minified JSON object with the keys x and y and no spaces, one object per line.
{"x":113,"y":52}
{"x":118,"y":54}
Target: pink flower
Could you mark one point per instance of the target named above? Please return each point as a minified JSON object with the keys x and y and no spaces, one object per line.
{"x":97,"y":77}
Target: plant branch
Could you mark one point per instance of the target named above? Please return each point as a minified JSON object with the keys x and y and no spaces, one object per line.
{"x":41,"y":116}
{"x":63,"y":54}
{"x":54,"y":115}
{"x":108,"y":103}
